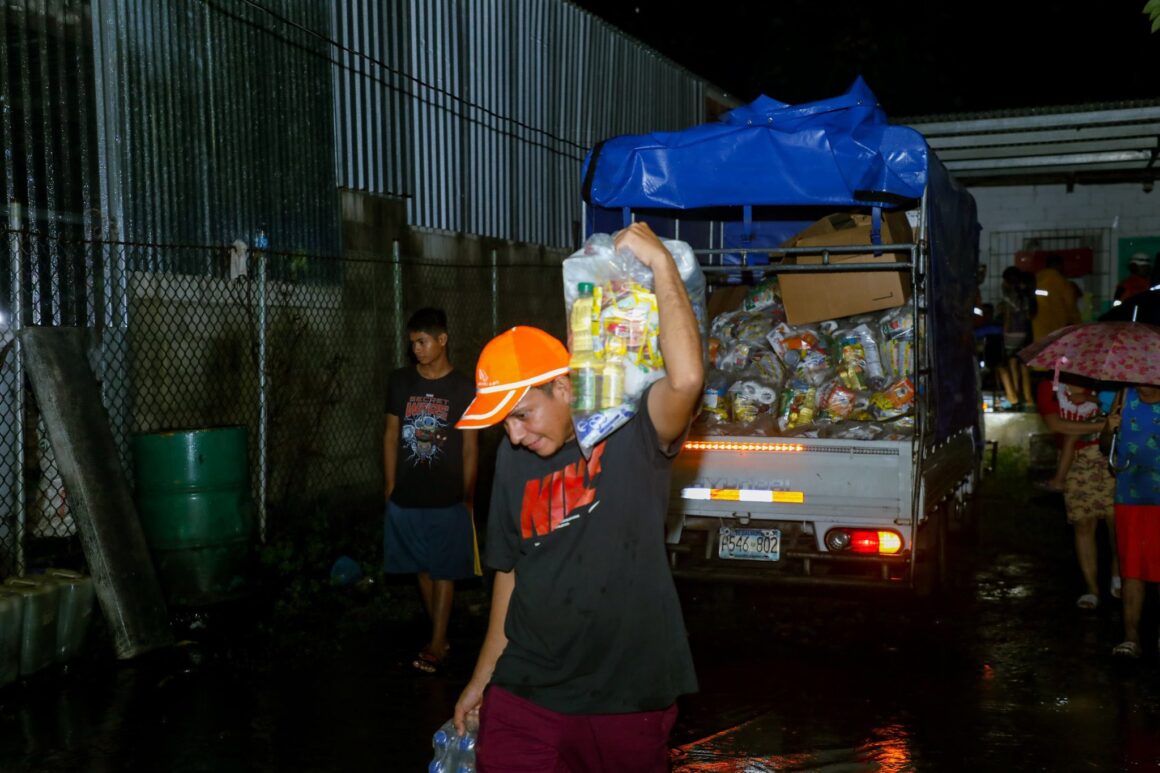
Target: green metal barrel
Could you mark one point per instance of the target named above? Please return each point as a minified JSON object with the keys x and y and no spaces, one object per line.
{"x":193,"y":498}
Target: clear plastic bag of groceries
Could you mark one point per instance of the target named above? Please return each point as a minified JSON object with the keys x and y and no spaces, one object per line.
{"x":614,"y":331}
{"x":897,"y":330}
{"x":797,"y":405}
{"x":806,"y":350}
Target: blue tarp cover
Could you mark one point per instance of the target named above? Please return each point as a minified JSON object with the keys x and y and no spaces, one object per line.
{"x":836,"y":152}
{"x":768,"y":169}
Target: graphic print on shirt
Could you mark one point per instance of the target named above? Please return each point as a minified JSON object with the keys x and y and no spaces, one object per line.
{"x":1070,"y":410}
{"x":556,"y":500}
{"x":425,"y":428}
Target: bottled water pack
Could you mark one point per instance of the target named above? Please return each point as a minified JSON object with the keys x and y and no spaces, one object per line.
{"x":454,"y":753}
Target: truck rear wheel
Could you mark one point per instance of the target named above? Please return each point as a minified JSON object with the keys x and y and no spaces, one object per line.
{"x":930,"y":561}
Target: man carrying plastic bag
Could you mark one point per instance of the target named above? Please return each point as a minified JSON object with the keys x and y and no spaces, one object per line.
{"x":613,"y":331}
{"x":586,"y":650}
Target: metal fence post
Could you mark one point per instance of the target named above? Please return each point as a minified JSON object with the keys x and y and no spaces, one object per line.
{"x":15,"y":224}
{"x":397,"y":304}
{"x":263,"y":417}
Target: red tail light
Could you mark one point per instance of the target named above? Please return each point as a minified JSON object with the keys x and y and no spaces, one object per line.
{"x":863,"y":541}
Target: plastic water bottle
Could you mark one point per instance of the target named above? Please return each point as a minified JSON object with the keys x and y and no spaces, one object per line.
{"x":454,"y":753}
{"x":444,"y":739}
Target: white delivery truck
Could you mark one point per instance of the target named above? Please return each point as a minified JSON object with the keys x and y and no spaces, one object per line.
{"x":861,"y":224}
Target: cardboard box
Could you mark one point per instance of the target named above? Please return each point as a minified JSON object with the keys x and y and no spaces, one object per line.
{"x":831,"y":295}
{"x":726,"y":298}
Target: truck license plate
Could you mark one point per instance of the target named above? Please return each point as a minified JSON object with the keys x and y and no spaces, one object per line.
{"x":750,"y":544}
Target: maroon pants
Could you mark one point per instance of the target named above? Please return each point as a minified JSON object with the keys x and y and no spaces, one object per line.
{"x":516,"y":735}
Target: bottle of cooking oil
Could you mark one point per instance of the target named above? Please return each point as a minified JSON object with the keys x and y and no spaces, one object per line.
{"x":584,"y":367}
{"x":612,"y":374}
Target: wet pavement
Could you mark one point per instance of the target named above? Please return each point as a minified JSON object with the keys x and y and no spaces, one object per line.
{"x":1003,"y":673}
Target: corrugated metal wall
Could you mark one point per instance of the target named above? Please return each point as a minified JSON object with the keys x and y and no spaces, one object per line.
{"x":480,"y":112}
{"x":216,"y":120}
{"x":49,"y":163}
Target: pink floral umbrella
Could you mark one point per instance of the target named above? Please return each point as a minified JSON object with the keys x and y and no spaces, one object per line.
{"x":1105,"y":351}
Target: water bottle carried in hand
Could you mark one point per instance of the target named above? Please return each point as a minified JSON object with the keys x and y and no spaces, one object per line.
{"x":454,"y":753}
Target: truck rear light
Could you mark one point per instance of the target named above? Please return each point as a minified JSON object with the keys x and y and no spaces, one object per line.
{"x":863,"y":541}
{"x":768,"y":448}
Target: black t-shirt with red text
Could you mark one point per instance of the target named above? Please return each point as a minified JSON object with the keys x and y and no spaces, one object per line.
{"x":594,"y":625}
{"x":429,"y":465}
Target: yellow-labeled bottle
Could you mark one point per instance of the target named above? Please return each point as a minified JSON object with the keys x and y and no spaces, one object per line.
{"x":612,"y":374}
{"x":581,"y":319}
{"x":585,"y":373}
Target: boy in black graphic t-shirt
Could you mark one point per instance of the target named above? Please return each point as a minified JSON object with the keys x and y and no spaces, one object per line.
{"x":586,"y":650}
{"x":429,"y":467}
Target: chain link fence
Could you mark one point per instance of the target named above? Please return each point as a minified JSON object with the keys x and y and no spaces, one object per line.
{"x":294,"y":347}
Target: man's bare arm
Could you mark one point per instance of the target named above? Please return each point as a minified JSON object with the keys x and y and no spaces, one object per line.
{"x":470,"y":464}
{"x":390,"y":453}
{"x":494,"y":644}
{"x":672,"y":399}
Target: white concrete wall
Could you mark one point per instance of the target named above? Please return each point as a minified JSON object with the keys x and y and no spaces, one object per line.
{"x":1124,"y":210}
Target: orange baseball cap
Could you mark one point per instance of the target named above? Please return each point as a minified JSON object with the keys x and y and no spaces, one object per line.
{"x":512,"y":363}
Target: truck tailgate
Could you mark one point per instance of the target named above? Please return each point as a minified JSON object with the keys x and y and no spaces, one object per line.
{"x":796,"y":479}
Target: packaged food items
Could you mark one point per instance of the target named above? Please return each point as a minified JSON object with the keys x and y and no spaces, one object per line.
{"x":897,"y":326}
{"x":723,"y":328}
{"x":766,"y":297}
{"x":768,"y":366}
{"x":715,"y":400}
{"x":836,"y":402}
{"x":734,"y":357}
{"x":893,"y":401}
{"x":860,"y":364}
{"x":740,"y":325}
{"x":854,"y":371}
{"x":749,"y":399}
{"x":593,"y":427}
{"x":806,"y":351}
{"x":798,"y":402}
{"x":852,"y":360}
{"x":753,"y":328}
{"x":620,"y":355}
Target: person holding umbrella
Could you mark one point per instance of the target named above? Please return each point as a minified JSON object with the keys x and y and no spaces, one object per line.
{"x":1126,"y":353}
{"x":1136,"y":457}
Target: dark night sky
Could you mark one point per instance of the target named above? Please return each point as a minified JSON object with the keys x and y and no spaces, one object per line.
{"x":920,"y":58}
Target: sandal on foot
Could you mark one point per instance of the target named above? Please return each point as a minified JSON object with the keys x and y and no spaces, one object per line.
{"x":427,"y":663}
{"x":1088,"y":601}
{"x":1126,"y":649}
